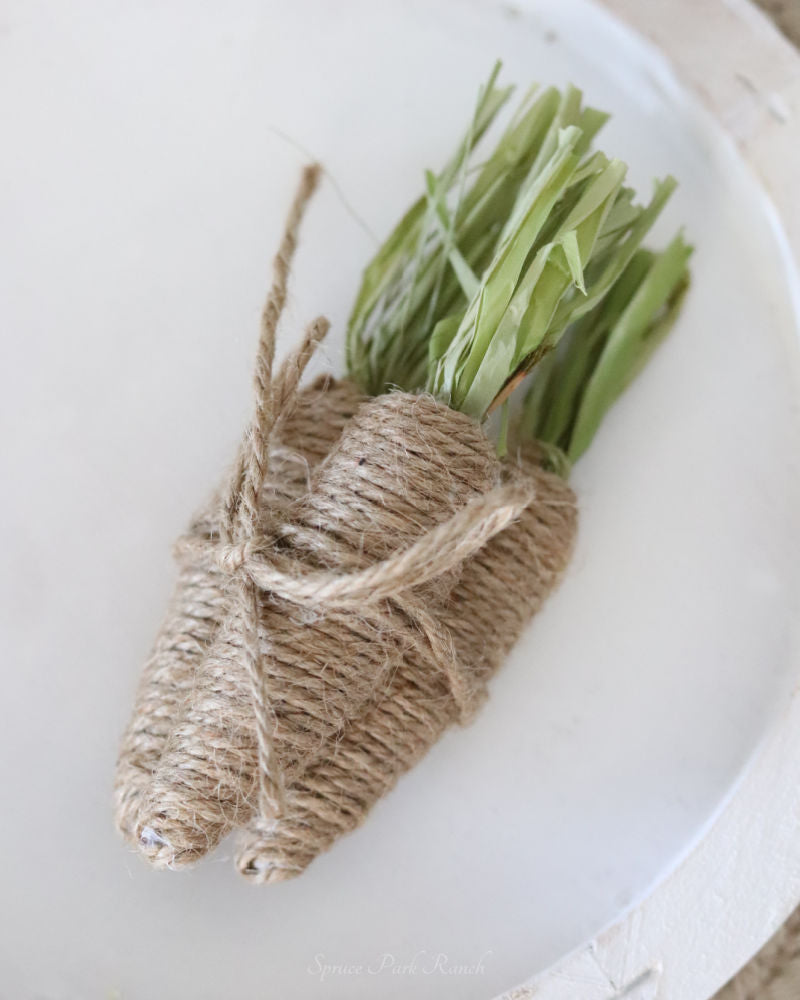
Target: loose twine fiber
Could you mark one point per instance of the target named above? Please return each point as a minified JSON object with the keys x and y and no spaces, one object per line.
{"x":333,"y":613}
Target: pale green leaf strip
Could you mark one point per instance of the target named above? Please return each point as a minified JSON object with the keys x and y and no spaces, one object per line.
{"x":442,"y":335}
{"x":531,"y":258}
{"x":532,"y":336}
{"x":466,"y":276}
{"x":567,"y":115}
{"x":536,"y":405}
{"x":578,"y":353}
{"x":389,"y":263}
{"x":556,"y":274}
{"x":634,"y":336}
{"x":600,"y":279}
{"x":501,"y":278}
{"x":572,"y":253}
{"x":518,"y":145}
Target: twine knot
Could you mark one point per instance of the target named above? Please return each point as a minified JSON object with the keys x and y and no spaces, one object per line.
{"x":263,"y":564}
{"x":325,"y":632}
{"x":299,"y":684}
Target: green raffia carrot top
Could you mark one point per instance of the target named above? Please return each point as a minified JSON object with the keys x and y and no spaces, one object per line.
{"x":526,"y":261}
{"x":373,"y":556}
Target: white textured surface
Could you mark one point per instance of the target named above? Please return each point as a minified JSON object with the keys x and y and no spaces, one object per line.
{"x":741,"y":879}
{"x":138,"y":211}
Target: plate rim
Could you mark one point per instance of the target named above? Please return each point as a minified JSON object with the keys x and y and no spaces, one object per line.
{"x":653,"y":951}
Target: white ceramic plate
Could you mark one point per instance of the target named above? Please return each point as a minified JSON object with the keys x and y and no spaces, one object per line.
{"x":150,"y":154}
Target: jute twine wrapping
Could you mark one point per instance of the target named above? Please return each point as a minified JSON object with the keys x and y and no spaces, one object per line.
{"x":500,"y":589}
{"x":295,"y":437}
{"x":199,"y":601}
{"x":403,"y":465}
{"x":327,"y":621}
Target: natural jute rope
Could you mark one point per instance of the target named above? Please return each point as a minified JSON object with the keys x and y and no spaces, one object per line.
{"x":290,"y":665}
{"x":325,"y":617}
{"x":199,"y":601}
{"x":500,"y":589}
{"x":402,"y":466}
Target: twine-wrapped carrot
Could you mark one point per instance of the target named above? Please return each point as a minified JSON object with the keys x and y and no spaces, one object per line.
{"x":319,"y":669}
{"x":301,"y":439}
{"x":357,"y":622}
{"x":500,"y":590}
{"x":199,"y":600}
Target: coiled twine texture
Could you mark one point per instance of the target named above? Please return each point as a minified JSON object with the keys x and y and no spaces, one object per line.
{"x":362,"y":572}
{"x":358,"y":695}
{"x":200,"y":602}
{"x":499,"y":591}
{"x":403,"y":465}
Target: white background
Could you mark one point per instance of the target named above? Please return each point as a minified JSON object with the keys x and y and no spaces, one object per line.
{"x":142,"y":188}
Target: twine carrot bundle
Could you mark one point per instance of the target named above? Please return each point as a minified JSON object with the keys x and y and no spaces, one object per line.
{"x":372,"y":556}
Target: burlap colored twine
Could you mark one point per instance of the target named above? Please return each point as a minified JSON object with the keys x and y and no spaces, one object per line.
{"x":199,"y":602}
{"x":318,"y":644}
{"x":500,"y":590}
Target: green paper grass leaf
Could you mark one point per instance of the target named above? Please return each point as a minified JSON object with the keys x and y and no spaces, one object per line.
{"x":529,"y":260}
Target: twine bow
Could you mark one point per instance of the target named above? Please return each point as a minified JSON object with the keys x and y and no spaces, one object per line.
{"x":253,"y":555}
